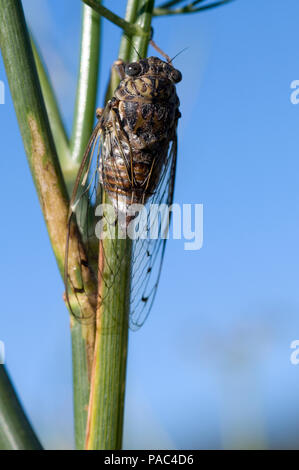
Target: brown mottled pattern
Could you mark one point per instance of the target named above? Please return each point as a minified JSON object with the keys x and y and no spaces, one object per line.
{"x":144,"y":112}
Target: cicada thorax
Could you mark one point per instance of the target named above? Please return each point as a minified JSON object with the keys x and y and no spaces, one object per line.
{"x":140,"y":126}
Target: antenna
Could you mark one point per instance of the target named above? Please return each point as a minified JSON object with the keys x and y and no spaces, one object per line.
{"x":183,"y":50}
{"x":154,"y":45}
{"x":132,"y":45}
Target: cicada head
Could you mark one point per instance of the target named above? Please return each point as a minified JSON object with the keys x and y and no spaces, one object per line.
{"x":151,"y":78}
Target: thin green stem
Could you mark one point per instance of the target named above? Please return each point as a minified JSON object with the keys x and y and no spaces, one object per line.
{"x":171,"y":3}
{"x":54,"y":115}
{"x":189,"y":8}
{"x":87,"y":83}
{"x":16,"y":432}
{"x":82,"y":128}
{"x":70,"y":160}
{"x":128,"y":28}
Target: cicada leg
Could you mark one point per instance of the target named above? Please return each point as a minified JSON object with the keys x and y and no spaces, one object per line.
{"x":154,"y":45}
{"x":99,"y":113}
{"x":120,"y":68}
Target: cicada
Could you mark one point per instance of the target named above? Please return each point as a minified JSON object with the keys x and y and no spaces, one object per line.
{"x":131,"y":156}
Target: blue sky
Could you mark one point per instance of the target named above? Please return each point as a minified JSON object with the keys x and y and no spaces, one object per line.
{"x":211,"y":366}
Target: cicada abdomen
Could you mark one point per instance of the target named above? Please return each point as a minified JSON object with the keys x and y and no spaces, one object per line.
{"x":132,"y":156}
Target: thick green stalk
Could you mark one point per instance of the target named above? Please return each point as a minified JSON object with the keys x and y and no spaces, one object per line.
{"x":105,"y":417}
{"x":42,"y":157}
{"x":106,"y":406}
{"x":16,"y":432}
{"x":125,"y":46}
{"x":81,"y":381}
{"x":144,"y":21}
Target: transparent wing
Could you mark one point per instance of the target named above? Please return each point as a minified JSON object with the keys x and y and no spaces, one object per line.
{"x":86,"y":193}
{"x":86,"y":197}
{"x":148,"y":253}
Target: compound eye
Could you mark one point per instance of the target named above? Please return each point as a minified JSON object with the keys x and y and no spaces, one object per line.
{"x":133,"y":69}
{"x":176,"y":76}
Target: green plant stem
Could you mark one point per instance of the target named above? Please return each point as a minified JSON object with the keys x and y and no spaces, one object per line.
{"x":70,"y":161}
{"x":125,"y":46}
{"x":40,"y":149}
{"x":189,"y":8}
{"x":128,"y":28}
{"x":16,"y":432}
{"x":124,"y":49}
{"x":81,"y":381}
{"x":106,"y":405}
{"x":171,"y":3}
{"x":56,"y":123}
{"x":144,"y":21}
{"x":105,"y":417}
{"x":87,"y":83}
{"x":82,"y":129}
